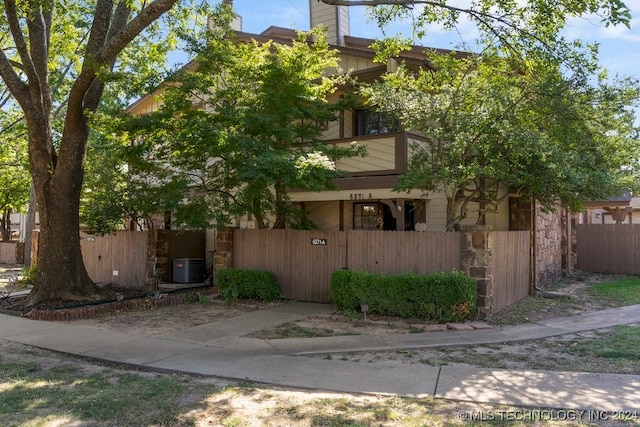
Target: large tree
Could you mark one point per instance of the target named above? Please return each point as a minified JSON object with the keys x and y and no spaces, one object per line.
{"x":499,"y":127}
{"x":59,"y":56}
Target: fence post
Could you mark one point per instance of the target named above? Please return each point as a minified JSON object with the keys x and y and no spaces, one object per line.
{"x":157,"y":258}
{"x":477,"y":261}
{"x":223,"y":255}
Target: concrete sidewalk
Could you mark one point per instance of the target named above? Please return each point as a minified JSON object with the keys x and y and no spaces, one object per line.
{"x":219,"y":349}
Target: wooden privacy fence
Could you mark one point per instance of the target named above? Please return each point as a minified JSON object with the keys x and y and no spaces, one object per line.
{"x":11,"y":253}
{"x":608,"y":248}
{"x":119,"y":258}
{"x":510,"y":268}
{"x":7,"y":253}
{"x":128,"y":258}
{"x":303,"y":261}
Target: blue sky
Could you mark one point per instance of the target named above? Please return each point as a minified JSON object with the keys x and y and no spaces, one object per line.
{"x":619,"y":46}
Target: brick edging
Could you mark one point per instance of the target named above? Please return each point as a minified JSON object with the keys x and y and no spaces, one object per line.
{"x":92,"y":311}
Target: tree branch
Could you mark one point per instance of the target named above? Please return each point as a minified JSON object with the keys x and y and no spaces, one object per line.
{"x":16,"y":86}
{"x":142,"y":20}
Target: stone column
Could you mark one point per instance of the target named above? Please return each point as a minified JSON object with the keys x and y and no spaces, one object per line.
{"x":223,"y":255}
{"x":157,"y":258}
{"x":477,"y":259}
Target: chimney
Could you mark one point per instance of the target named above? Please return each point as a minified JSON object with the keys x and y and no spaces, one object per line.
{"x":236,"y":24}
{"x":335,"y":18}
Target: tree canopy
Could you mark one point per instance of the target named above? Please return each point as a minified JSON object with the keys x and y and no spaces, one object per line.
{"x":498,"y":127}
{"x":239,"y":129}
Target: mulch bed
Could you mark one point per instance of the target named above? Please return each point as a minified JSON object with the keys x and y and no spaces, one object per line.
{"x":115,"y":300}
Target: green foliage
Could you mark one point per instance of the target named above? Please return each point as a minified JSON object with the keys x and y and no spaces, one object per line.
{"x":247,"y":284}
{"x":519,"y":27}
{"x":195,"y":297}
{"x":259,"y":110}
{"x":14,"y":164}
{"x":438,"y":297}
{"x":498,"y":128}
{"x":623,"y":343}
{"x":29,"y":275}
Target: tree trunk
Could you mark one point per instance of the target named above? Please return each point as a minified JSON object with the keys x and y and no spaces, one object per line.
{"x":58,"y":183}
{"x":61,"y":272}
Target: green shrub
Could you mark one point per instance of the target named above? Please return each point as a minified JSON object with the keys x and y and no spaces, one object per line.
{"x":247,"y":284}
{"x":438,"y":297}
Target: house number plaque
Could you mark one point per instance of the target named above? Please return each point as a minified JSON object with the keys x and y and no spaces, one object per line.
{"x":359,"y":196}
{"x":321,"y":242}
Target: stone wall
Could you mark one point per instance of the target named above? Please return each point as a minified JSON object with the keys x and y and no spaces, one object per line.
{"x":548,"y":245}
{"x":476,"y":261}
{"x":224,"y":249}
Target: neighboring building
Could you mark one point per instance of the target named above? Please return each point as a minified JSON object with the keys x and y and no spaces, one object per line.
{"x":19,"y":225}
{"x":618,"y":210}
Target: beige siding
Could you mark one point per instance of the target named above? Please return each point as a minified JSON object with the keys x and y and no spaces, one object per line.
{"x":413,"y":144}
{"x":348,"y":124}
{"x":334,"y":18}
{"x":380,"y":156}
{"x":333,"y":131}
{"x":145,"y":105}
{"x":325,"y":215}
{"x":437,"y":214}
{"x":354,"y":63}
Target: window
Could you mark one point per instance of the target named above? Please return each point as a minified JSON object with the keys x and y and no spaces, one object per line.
{"x":373,"y":123}
{"x":367,"y":216}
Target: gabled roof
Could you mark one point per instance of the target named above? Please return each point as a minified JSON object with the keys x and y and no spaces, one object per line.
{"x":620,"y":201}
{"x":416,"y":57}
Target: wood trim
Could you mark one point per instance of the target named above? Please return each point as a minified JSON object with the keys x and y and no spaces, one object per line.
{"x":341,"y":123}
{"x":366,"y":182}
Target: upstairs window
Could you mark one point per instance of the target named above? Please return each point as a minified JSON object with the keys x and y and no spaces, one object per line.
{"x":369,"y":122}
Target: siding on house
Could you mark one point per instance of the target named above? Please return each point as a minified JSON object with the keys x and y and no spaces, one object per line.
{"x":325,"y":215}
{"x":380,"y":156}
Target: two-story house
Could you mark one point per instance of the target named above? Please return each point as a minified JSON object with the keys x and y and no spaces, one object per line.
{"x":365,"y":198}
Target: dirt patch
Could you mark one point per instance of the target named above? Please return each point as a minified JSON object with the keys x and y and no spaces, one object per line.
{"x":9,"y":302}
{"x":569,"y":296}
{"x":561,"y":353}
{"x":158,"y":320}
{"x":576,"y":299}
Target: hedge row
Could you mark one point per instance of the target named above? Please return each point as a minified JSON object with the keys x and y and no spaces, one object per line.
{"x":247,"y":284}
{"x":436,"y":297}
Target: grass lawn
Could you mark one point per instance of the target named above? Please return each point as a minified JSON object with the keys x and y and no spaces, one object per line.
{"x":618,"y":292}
{"x":39,"y":388}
